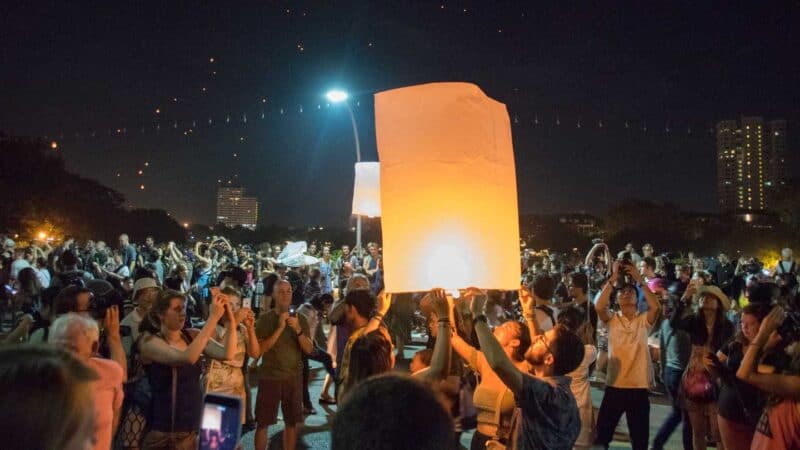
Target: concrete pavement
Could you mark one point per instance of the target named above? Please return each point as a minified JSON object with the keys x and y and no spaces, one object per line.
{"x":315,"y":434}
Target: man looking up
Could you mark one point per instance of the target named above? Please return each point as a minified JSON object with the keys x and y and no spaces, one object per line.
{"x":550,"y":418}
{"x":627,"y":376}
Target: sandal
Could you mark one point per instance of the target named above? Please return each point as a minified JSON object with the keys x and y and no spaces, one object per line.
{"x":326,"y":401}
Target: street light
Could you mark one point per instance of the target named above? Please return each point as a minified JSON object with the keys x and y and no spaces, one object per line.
{"x":340,"y":96}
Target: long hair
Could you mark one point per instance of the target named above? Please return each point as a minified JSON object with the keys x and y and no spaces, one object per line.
{"x":519,"y":331}
{"x":152,"y":321}
{"x":757,"y":310}
{"x":27,"y":281}
{"x":371,"y":354}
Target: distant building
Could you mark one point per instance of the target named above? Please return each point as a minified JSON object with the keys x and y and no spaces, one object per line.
{"x":236,"y":209}
{"x":751,"y":162}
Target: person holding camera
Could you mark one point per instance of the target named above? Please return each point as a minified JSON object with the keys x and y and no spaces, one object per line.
{"x":708,"y":330}
{"x":627,"y":376}
{"x":779,"y":427}
{"x":171,"y":358}
{"x":283,"y":338}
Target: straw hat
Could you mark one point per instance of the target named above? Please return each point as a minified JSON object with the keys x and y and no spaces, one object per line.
{"x":724,"y":301}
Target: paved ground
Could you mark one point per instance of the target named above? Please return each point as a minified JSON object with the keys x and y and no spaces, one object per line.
{"x":316,"y":432}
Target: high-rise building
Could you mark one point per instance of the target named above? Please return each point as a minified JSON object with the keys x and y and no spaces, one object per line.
{"x":751,"y":162}
{"x":234,"y":208}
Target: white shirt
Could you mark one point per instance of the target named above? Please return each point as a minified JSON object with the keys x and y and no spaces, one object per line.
{"x":132,"y":320}
{"x":627,"y":352}
{"x":544,"y":319}
{"x":17,"y":266}
{"x":583,"y":396}
{"x":44,"y":277}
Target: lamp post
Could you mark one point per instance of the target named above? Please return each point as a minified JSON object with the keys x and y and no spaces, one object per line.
{"x":339,"y":96}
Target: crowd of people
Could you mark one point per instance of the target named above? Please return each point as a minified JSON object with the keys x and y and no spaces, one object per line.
{"x":124,"y":340}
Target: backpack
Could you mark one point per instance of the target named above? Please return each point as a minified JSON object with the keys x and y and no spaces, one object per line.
{"x":549,"y":311}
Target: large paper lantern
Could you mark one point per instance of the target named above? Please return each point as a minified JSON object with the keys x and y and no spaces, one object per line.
{"x":448,"y":189}
{"x":367,"y":190}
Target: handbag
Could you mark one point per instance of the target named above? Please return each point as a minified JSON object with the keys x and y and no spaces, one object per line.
{"x":698,"y":385}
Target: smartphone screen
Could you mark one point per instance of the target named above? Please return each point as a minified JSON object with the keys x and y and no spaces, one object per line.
{"x":222,"y":422}
{"x":246,"y":302}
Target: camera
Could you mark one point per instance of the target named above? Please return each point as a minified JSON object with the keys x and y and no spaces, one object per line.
{"x":790,"y":328}
{"x":292,"y":312}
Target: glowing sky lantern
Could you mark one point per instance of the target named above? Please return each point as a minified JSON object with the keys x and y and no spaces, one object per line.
{"x":448,"y":189}
{"x":367,"y":190}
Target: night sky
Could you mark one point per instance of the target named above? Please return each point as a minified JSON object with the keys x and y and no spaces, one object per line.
{"x":670,"y":70}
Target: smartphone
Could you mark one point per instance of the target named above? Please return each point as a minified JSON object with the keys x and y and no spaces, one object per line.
{"x":221,"y":428}
{"x":246,"y":302}
{"x":292,"y":312}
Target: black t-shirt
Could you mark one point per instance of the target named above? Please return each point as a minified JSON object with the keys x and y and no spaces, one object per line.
{"x":738,"y":401}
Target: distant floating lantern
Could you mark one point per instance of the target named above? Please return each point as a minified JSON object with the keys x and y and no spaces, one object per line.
{"x":42,"y":236}
{"x":54,"y":145}
{"x":448,"y":189}
{"x":141,"y":187}
{"x":367,"y":190}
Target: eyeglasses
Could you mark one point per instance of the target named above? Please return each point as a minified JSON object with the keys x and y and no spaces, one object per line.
{"x":543,"y":338}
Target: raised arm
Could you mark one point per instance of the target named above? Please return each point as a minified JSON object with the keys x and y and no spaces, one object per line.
{"x":528,"y":305}
{"x":495,"y":356}
{"x":590,"y":256}
{"x":227,"y":350}
{"x":384,"y":302}
{"x":200,"y":257}
{"x":249,"y":322}
{"x":115,"y":348}
{"x":678,"y":319}
{"x":440,"y":361}
{"x":781,"y":385}
{"x":653,"y":305}
{"x":461,"y":346}
{"x":159,"y":351}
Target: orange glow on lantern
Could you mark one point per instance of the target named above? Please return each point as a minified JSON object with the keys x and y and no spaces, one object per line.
{"x":448,"y":189}
{"x":367,"y":189}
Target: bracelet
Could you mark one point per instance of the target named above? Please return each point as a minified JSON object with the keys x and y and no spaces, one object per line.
{"x":444,"y":321}
{"x":300,"y":333}
{"x":481,"y":318}
{"x":529,"y":316}
{"x":376,"y":314}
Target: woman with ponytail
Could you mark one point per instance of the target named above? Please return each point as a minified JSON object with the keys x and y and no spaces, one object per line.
{"x":171,"y":357}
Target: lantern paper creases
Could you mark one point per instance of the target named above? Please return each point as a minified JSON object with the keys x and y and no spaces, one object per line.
{"x":448,"y":189}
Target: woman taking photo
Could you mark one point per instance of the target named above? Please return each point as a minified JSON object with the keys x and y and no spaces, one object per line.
{"x":740,"y":404}
{"x":171,"y":358}
{"x":780,"y":425}
{"x":226,"y":377}
{"x":708,"y":330}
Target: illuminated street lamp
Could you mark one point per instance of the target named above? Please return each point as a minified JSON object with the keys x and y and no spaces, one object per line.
{"x":340,"y":96}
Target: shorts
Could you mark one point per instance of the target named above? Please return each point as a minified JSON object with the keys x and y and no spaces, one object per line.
{"x":287,"y":393}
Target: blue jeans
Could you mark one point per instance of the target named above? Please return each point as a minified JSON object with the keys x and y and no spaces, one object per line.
{"x":672,"y":381}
